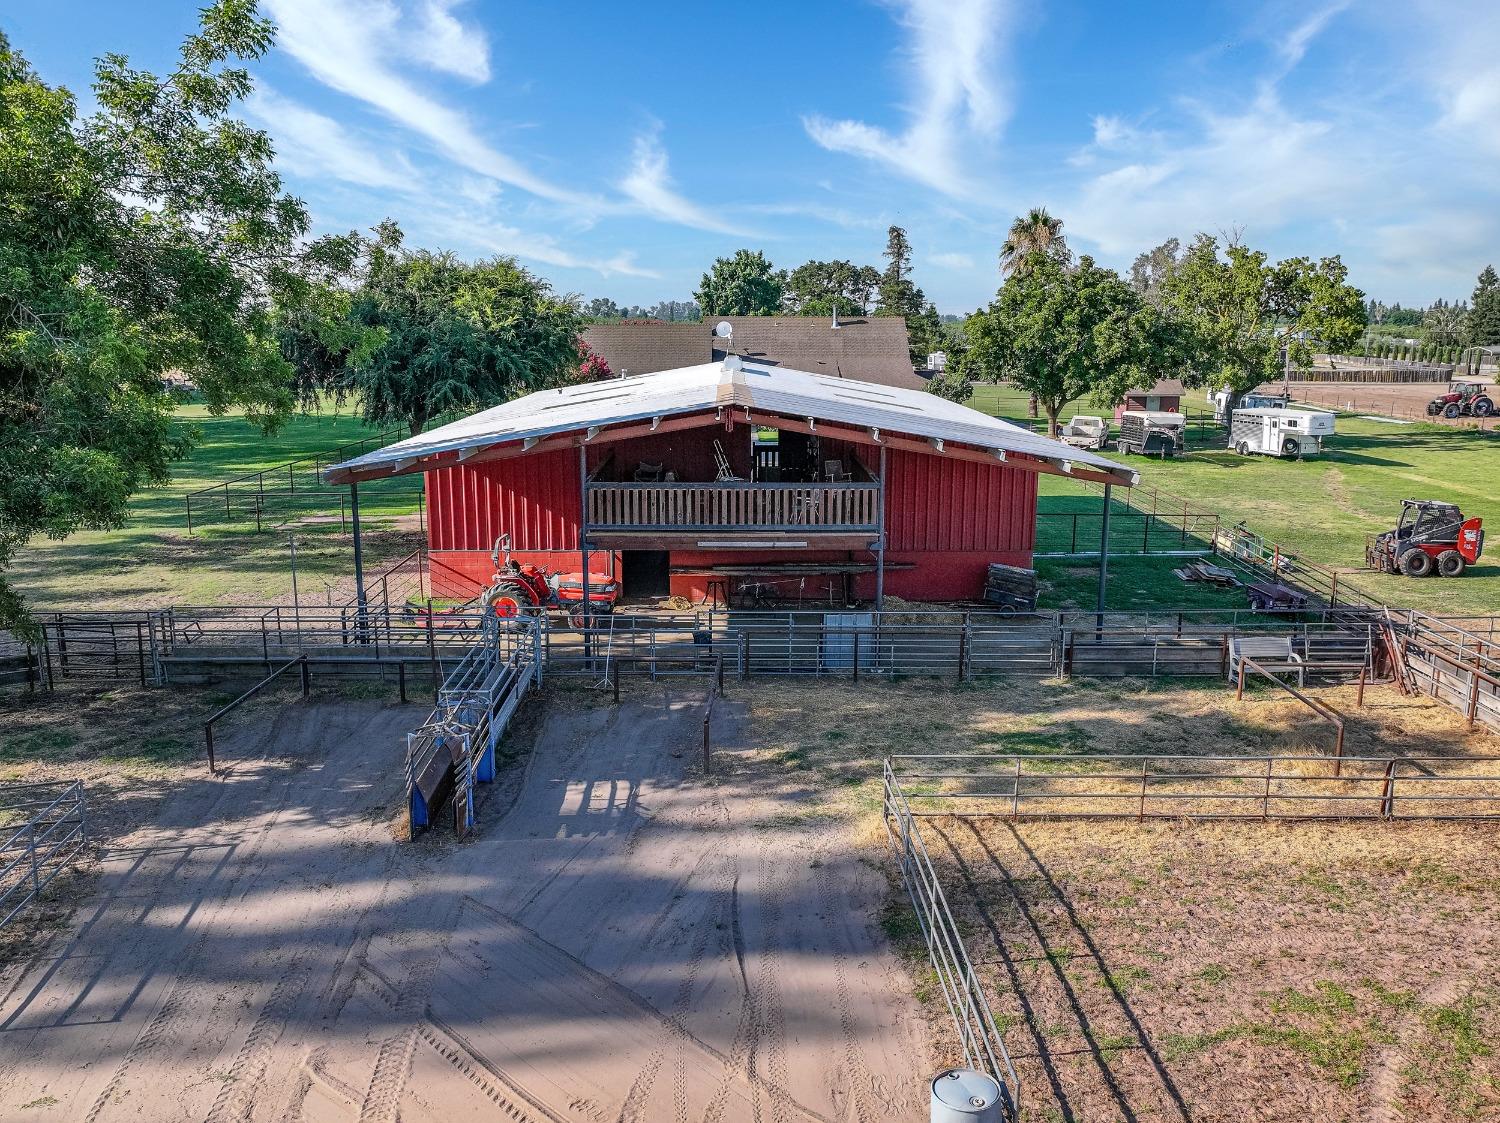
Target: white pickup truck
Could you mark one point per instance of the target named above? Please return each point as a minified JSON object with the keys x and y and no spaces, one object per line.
{"x":1085,"y":432}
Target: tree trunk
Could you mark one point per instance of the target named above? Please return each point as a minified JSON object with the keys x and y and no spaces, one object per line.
{"x":418,"y":423}
{"x":1054,"y":409}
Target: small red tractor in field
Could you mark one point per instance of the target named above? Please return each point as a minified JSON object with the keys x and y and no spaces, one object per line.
{"x":517,"y":588}
{"x":1429,"y":537}
{"x":1465,"y":398}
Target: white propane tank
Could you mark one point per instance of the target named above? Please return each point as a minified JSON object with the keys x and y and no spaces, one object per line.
{"x":961,"y":1095}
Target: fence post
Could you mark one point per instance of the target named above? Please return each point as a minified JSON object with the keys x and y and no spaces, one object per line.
{"x":963,"y":651}
{"x":719,"y":674}
{"x":306,"y":673}
{"x":744,"y":656}
{"x":706,"y":761}
{"x":1359,"y":701}
{"x":856,"y":654}
{"x":1239,"y":693}
{"x":1265,"y":799}
{"x":437,"y":678}
{"x":1388,"y":790}
{"x":208,"y":738}
{"x":401,"y":679}
{"x":614,"y":679}
{"x":140,"y":650}
{"x":1141,"y":810}
{"x":1473,"y":714}
{"x":1015,"y":792}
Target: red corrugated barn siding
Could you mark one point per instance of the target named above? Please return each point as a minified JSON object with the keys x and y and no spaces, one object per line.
{"x":534,"y":498}
{"x":934,"y":503}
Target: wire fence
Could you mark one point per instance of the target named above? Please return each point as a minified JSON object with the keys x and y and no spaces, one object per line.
{"x":45,"y":830}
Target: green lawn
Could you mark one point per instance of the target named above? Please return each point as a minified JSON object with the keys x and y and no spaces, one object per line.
{"x":1324,"y":507}
{"x":153,"y":561}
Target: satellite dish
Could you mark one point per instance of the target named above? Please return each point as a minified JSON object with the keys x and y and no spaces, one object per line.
{"x":723,"y":329}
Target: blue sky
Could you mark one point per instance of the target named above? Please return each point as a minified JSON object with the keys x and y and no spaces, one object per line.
{"x":617,"y":149}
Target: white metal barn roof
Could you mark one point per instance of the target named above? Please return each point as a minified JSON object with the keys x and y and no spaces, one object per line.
{"x":756,"y":388}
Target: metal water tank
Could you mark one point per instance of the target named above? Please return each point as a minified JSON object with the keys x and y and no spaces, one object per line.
{"x":961,"y":1095}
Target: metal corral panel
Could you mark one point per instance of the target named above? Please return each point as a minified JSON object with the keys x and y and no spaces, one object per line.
{"x":937,"y":504}
{"x":533,"y":498}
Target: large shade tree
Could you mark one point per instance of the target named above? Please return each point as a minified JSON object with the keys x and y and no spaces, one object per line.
{"x":822,"y":288}
{"x":1484,"y":311}
{"x":454,"y":335}
{"x":1247,"y":317}
{"x":743,"y":285}
{"x":1064,"y":332}
{"x":148,"y":237}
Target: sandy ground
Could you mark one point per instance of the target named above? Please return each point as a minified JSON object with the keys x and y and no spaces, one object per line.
{"x":623,"y":941}
{"x":1406,"y":400}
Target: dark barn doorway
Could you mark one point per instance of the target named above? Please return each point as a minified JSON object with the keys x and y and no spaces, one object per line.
{"x":647,"y":574}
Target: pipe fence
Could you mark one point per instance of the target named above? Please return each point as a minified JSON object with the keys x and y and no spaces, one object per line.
{"x":1125,"y":786}
{"x":45,"y":829}
{"x":982,"y":1045}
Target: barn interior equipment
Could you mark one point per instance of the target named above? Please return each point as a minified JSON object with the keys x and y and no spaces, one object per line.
{"x":1279,"y":432}
{"x":517,"y":588}
{"x":1151,"y":433}
{"x":1465,"y":398}
{"x":1430,"y":537}
{"x":1085,"y":432}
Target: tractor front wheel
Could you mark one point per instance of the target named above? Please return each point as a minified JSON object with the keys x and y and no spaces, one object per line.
{"x":1450,"y":563}
{"x":1416,"y":563}
{"x":1451,"y":410}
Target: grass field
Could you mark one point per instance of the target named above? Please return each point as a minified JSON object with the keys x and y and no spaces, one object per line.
{"x":153,"y":560}
{"x":1321,"y":508}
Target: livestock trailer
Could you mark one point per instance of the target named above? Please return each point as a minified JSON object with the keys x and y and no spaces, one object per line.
{"x":1279,"y":432}
{"x":1151,"y":432}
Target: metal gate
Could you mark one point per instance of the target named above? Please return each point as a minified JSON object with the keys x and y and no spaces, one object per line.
{"x":99,"y":647}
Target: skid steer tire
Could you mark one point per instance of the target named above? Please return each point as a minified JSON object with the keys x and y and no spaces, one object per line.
{"x":1416,"y":563}
{"x":1450,"y":563}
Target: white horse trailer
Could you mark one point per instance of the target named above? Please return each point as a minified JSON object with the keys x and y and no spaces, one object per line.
{"x":1279,"y":432}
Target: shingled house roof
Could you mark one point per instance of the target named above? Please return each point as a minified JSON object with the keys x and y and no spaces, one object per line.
{"x":869,"y":350}
{"x":645,"y":347}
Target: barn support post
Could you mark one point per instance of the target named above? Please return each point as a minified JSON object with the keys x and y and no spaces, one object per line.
{"x":880,"y":542}
{"x":583,"y":546}
{"x":359,"y":564}
{"x":1103,"y":564}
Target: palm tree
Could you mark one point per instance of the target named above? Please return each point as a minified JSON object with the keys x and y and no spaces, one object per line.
{"x":1034,"y":231}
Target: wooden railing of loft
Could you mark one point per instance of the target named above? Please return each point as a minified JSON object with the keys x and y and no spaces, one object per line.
{"x":741,"y":506}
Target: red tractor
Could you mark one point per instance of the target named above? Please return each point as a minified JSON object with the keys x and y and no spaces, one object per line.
{"x":517,"y":588}
{"x":1464,"y":398}
{"x":1429,"y":537}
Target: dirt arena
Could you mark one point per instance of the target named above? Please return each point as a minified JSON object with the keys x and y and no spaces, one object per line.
{"x":623,"y":941}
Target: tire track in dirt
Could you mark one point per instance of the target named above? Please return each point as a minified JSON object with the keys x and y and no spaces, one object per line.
{"x":178,"y":993}
{"x":862,"y":1084}
{"x":382,"y":1100}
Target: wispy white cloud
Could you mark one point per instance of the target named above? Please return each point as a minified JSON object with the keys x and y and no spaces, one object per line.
{"x":445,"y":43}
{"x":951,"y":260}
{"x":475,"y":231}
{"x":953,"y":49}
{"x":357,"y":47}
{"x":649,"y":185}
{"x":310,"y":144}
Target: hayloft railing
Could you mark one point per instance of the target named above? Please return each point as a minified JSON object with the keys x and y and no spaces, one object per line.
{"x":734,"y":506}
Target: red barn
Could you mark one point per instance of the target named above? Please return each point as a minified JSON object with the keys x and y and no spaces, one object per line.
{"x":733,"y":471}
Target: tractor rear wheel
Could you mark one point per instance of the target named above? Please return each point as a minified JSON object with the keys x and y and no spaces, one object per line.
{"x":1482,"y":407}
{"x":1416,"y":563}
{"x":1450,"y":563}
